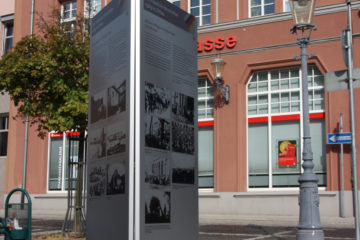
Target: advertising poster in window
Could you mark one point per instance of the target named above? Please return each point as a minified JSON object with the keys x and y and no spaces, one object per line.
{"x":168,"y":153}
{"x":287,"y":154}
{"x":108,"y":172}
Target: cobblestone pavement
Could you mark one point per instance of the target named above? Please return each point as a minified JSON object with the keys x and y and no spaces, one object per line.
{"x":222,"y":232}
{"x":253,"y":232}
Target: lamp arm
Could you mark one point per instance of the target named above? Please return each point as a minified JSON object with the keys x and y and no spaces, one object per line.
{"x":225,"y":91}
{"x":219,"y":82}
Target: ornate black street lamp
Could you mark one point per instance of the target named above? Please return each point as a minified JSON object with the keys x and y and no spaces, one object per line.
{"x":218,"y":66}
{"x":309,"y":220}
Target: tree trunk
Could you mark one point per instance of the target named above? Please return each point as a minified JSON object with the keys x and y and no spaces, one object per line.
{"x":79,"y":186}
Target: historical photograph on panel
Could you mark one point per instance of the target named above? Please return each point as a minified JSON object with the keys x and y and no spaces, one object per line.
{"x":183,"y":138}
{"x":157,"y":207}
{"x":183,"y":108}
{"x":157,"y":169}
{"x":98,"y":107}
{"x":97,"y":143}
{"x":115,"y":178}
{"x":97,"y":181}
{"x":157,"y":100}
{"x":116,"y":139}
{"x":183,"y":170}
{"x":116,"y":99}
{"x":157,"y":132}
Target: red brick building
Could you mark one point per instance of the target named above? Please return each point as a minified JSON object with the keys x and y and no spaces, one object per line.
{"x":241,"y":170}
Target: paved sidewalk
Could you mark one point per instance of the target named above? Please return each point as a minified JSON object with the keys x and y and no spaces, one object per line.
{"x":271,"y":220}
{"x":226,"y":227}
{"x":237,"y":227}
{"x":222,"y":219}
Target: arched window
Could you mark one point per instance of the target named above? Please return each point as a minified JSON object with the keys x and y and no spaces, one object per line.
{"x":275,"y":127}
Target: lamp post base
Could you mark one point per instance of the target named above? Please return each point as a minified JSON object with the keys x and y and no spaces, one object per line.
{"x":310,"y":234}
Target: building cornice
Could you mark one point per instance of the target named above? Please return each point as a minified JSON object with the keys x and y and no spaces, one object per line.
{"x":272,"y":18}
{"x":272,"y":47}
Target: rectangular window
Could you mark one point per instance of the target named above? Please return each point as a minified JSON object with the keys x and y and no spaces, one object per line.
{"x":69,"y":11}
{"x":286,"y":5}
{"x":206,"y":133}
{"x":261,"y":7}
{"x":258,"y":160}
{"x":4,"y":126}
{"x":59,"y":161}
{"x":56,"y":163}
{"x":201,"y":9}
{"x":206,"y":157}
{"x":8,"y":37}
{"x":205,"y":100}
{"x":286,"y":165}
{"x":318,"y":145}
{"x":68,"y":16}
{"x":92,"y":7}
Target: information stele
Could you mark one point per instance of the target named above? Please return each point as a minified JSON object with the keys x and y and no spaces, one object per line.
{"x":142,"y":143}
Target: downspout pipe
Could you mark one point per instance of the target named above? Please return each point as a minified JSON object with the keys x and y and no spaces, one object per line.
{"x":27,"y":117}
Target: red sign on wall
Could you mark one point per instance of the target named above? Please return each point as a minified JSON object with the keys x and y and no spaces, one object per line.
{"x":219,"y":44}
{"x":72,"y":134}
{"x":287,"y":154}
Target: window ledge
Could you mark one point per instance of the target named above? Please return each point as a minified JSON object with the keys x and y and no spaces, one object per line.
{"x":51,"y":195}
{"x":208,"y":194}
{"x":279,"y":194}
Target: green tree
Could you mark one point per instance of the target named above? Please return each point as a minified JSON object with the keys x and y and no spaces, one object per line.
{"x":46,"y":76}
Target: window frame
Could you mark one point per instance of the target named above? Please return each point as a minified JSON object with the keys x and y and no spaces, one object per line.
{"x":270,"y":118}
{"x":5,"y":130}
{"x":6,"y":26}
{"x":94,"y":6}
{"x":262,"y":5}
{"x":285,"y":4}
{"x":71,"y":19}
{"x":199,"y":18}
{"x":208,"y":86}
{"x":65,"y":137}
{"x":63,"y":158}
{"x":207,"y":122}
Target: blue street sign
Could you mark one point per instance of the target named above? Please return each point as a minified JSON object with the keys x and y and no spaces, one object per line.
{"x":338,"y":138}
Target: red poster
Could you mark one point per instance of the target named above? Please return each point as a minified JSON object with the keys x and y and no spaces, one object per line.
{"x":287,"y":154}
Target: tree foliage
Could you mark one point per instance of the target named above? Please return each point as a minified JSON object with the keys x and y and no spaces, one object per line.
{"x":46,"y":76}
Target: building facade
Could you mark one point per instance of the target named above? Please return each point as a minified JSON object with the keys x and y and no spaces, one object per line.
{"x":250,"y":148}
{"x":6,"y":39}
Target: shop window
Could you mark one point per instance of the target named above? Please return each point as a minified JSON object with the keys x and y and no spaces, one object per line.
{"x":206,"y":133}
{"x":175,"y":2}
{"x":58,"y":161}
{"x":68,"y":16}
{"x":261,"y":7}
{"x":201,"y":10}
{"x":4,"y":126}
{"x":274,"y":126}
{"x":8,"y":37}
{"x":92,"y":7}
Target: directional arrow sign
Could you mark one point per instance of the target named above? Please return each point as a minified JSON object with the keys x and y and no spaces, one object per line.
{"x":338,"y":138}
